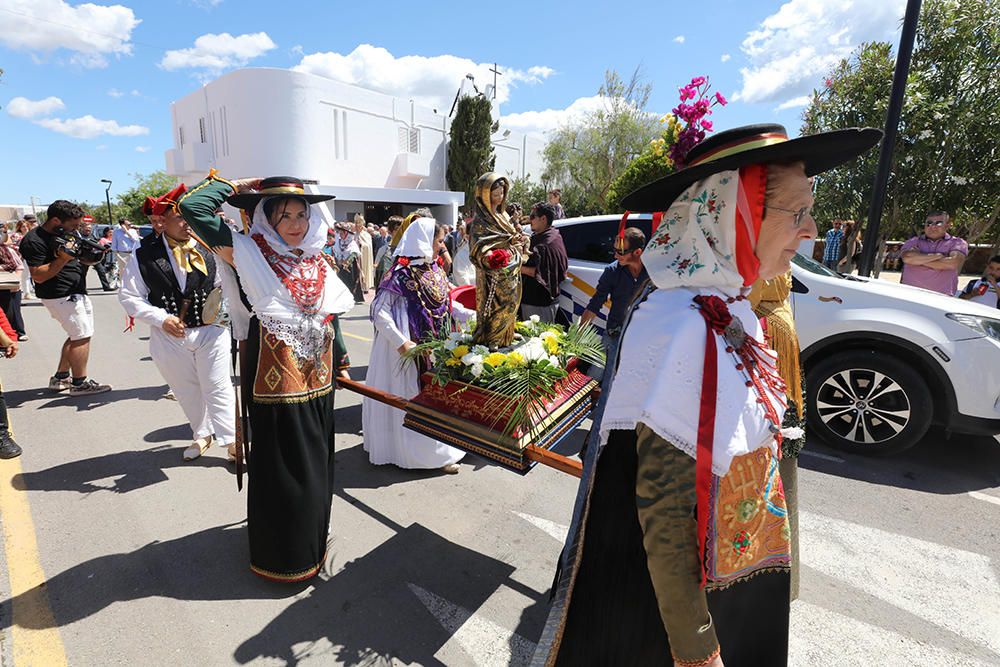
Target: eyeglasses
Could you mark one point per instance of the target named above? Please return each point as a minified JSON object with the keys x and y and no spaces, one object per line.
{"x":622,"y":253}
{"x":799,"y":214}
{"x":935,"y":223}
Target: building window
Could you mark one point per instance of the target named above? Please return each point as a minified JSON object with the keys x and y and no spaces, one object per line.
{"x":339,"y":134}
{"x":201,"y":130}
{"x":225,"y":130}
{"x":409,"y":140}
{"x":180,"y":135}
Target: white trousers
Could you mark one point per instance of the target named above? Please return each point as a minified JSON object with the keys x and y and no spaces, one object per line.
{"x":197,"y":369}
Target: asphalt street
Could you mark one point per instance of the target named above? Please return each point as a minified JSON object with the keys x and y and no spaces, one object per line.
{"x":116,"y":552}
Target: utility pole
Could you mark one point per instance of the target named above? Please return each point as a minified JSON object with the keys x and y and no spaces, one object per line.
{"x":903,"y":56}
{"x":107,"y":197}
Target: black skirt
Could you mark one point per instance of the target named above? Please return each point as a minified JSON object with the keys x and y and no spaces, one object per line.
{"x":611,"y":616}
{"x":290,"y":476}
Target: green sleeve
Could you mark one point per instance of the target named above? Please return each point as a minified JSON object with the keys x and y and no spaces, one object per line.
{"x":665,"y":499}
{"x":340,"y":357}
{"x":198,"y":208}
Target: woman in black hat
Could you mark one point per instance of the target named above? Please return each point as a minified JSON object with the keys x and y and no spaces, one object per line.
{"x":678,"y":552}
{"x":290,"y":358}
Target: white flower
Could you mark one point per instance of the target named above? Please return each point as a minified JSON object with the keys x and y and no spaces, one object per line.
{"x":535,"y":319}
{"x":533,"y":350}
{"x":476,"y":370}
{"x":547,"y":334}
{"x":554,"y":360}
{"x":792,"y":433}
{"x":471,"y":359}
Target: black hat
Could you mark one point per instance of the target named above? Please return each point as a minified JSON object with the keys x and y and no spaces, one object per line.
{"x":287,"y":186}
{"x":753,"y":144}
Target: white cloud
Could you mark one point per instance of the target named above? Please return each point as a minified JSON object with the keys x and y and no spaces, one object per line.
{"x":539,"y":122}
{"x":135,"y":93}
{"x":215,"y":53}
{"x":679,"y":39}
{"x":725,"y":57}
{"x":92,"y":32}
{"x":101,"y":147}
{"x":21,"y":107}
{"x":142,"y":149}
{"x":792,"y":49}
{"x":429,"y":80}
{"x":794,"y":103}
{"x":88,"y":127}
{"x":114,"y":92}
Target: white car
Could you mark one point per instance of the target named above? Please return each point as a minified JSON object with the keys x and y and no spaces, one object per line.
{"x":882,"y":361}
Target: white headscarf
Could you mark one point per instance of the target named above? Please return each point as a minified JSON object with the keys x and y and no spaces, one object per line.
{"x":312,"y":243}
{"x":418,"y":241}
{"x":342,"y":250}
{"x":660,"y":371}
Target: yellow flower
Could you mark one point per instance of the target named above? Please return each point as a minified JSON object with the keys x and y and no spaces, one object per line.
{"x":515,"y":359}
{"x":460,"y":351}
{"x":495,"y":359}
{"x":552,"y":344}
{"x":454,"y":361}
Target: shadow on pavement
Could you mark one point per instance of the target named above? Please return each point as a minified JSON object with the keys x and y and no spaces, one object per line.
{"x":132,"y":470}
{"x":355,"y":471}
{"x":194,"y":567}
{"x":398,"y":604}
{"x":937,"y":464}
{"x":21,"y":396}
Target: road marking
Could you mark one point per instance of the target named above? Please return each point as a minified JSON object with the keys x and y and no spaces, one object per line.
{"x":951,"y":588}
{"x":982,"y":496}
{"x":819,"y":455}
{"x":556,"y":530}
{"x":350,"y":335}
{"x":35,"y":636}
{"x":819,"y":636}
{"x":485,"y":642}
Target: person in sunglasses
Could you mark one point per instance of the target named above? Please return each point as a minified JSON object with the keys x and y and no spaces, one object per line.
{"x":933,"y":259}
{"x":618,"y":283}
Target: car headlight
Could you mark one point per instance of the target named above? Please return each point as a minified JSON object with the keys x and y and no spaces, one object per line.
{"x":986,"y":326}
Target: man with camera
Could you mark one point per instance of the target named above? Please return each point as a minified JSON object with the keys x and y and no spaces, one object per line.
{"x":52,"y":252}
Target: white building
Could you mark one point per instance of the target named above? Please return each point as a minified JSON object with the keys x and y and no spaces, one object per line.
{"x":380,"y":155}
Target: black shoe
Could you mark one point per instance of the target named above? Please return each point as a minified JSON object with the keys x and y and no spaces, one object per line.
{"x":8,"y":448}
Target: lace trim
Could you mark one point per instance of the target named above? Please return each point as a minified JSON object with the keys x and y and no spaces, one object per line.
{"x":306,"y":338}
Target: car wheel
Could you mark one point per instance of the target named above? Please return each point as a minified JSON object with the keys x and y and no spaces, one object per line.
{"x":866,"y":403}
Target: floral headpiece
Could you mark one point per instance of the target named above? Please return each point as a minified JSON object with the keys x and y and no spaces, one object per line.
{"x":694,"y":115}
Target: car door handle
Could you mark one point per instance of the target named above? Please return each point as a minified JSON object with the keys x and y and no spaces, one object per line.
{"x":827,"y":299}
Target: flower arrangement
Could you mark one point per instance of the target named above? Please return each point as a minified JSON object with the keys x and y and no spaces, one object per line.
{"x":521,"y":376}
{"x":499,"y":258}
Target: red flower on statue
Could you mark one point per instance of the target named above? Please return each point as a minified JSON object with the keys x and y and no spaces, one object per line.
{"x":499,"y":258}
{"x":715,"y":311}
{"x":403,"y":261}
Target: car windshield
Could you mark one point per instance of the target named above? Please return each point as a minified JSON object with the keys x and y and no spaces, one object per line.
{"x":812,"y":266}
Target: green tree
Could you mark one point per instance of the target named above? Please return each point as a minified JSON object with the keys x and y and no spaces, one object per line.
{"x":470,"y":151}
{"x":654,"y":162}
{"x":589,"y":154}
{"x":128,"y":204}
{"x":526,"y":192}
{"x":946,"y":155}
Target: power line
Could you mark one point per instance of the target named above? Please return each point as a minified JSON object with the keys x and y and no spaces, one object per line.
{"x":79,"y":29}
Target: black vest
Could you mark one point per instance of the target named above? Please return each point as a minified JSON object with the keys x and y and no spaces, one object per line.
{"x":164,"y":292}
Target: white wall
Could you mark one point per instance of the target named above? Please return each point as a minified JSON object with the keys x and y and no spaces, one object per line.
{"x":263,"y":122}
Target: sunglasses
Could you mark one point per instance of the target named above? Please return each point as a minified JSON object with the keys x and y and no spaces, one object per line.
{"x":622,"y":253}
{"x":935,"y":223}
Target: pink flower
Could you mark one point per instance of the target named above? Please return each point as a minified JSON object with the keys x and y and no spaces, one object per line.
{"x":707,"y":125}
{"x":828,"y":82}
{"x":697,"y":81}
{"x":720,"y":99}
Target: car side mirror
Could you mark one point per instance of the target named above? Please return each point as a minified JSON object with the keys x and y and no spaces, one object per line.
{"x":798,"y":287}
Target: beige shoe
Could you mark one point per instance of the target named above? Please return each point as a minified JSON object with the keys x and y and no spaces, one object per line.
{"x":450,"y":469}
{"x":231,"y":453}
{"x":197,"y":448}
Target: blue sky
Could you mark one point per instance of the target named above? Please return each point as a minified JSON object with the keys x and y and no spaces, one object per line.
{"x":87,"y":88}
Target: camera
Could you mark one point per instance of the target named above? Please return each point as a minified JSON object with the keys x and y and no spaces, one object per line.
{"x":87,"y":251}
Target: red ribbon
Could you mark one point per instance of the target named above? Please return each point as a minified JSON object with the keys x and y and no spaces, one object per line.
{"x":129,"y":324}
{"x":717,"y":317}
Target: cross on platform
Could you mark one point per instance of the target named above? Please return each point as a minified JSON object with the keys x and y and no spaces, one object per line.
{"x":496,"y":72}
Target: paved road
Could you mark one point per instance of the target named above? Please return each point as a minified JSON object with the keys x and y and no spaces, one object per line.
{"x":117,"y":552}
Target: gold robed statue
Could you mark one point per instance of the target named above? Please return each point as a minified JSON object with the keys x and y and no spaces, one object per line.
{"x":497,"y":248}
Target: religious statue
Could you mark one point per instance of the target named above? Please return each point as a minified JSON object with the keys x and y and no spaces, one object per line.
{"x":497,"y":249}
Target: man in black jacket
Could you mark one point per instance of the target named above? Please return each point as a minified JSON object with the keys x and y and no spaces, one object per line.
{"x":545,"y":268}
